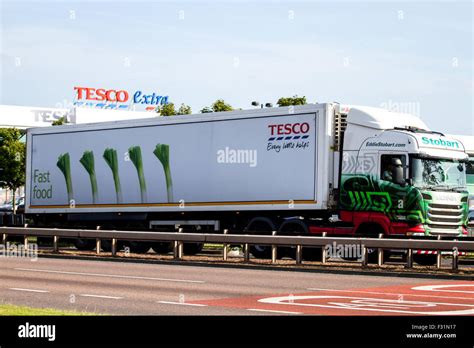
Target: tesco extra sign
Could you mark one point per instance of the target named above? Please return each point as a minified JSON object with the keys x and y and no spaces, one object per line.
{"x":116,"y":99}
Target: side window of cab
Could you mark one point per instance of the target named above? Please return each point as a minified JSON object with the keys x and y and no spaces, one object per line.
{"x":386,"y":166}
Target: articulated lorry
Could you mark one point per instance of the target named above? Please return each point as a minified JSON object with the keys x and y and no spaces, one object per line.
{"x":300,"y":170}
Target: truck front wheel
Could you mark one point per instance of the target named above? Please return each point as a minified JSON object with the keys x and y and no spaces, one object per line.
{"x":425,"y":259}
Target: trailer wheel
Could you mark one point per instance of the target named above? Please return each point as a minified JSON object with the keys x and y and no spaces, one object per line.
{"x":162,"y":247}
{"x":259,"y":225}
{"x":192,"y":248}
{"x":84,"y":244}
{"x":106,"y":245}
{"x":297,"y":227}
{"x":425,"y":259}
{"x":138,"y":247}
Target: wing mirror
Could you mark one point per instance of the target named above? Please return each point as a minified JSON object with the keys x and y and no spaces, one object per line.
{"x":397,"y":172}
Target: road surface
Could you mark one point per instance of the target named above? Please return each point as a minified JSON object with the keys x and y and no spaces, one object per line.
{"x":106,"y":287}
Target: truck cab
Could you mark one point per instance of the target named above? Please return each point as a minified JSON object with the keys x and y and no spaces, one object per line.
{"x":400,"y":175}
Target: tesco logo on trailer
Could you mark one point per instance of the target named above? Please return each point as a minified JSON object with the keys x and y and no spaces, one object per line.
{"x":116,"y":99}
{"x":289,"y":131}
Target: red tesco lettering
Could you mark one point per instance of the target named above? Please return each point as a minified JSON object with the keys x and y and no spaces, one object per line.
{"x":288,"y":128}
{"x":101,"y":94}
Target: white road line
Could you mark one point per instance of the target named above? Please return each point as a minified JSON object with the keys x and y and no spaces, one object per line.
{"x":102,"y":296}
{"x":271,"y":311}
{"x":183,"y":303}
{"x":29,"y":290}
{"x":443,"y":287}
{"x":110,"y":275}
{"x":387,"y":293}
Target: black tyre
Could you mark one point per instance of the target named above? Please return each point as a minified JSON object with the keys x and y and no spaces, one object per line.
{"x":192,"y":248}
{"x":106,"y":245}
{"x":297,"y":227}
{"x":84,"y":244}
{"x":138,"y":247}
{"x":162,"y":247}
{"x":425,"y":259}
{"x":372,"y":230}
{"x":259,"y":225}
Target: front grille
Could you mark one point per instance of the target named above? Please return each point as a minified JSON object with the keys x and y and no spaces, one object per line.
{"x":444,"y":218}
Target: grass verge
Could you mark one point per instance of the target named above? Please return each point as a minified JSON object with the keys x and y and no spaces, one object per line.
{"x":8,"y":309}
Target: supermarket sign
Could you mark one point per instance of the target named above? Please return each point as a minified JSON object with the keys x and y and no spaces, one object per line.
{"x":116,"y":99}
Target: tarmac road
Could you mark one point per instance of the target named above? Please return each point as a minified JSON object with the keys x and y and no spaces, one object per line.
{"x":123,"y":288}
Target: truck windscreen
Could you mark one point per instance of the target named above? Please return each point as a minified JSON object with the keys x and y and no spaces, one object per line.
{"x":438,"y":173}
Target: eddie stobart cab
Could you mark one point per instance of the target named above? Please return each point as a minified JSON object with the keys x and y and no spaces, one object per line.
{"x":298,"y":170}
{"x":410,"y":180}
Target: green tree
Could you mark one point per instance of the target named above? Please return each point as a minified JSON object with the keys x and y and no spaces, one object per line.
{"x":167,"y":110}
{"x":12,"y":160}
{"x":184,"y":110}
{"x":60,"y":121}
{"x":295,"y":100}
{"x":220,"y":105}
{"x":170,"y":110}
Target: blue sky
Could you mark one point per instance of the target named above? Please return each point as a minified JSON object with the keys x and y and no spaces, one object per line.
{"x":403,"y":54}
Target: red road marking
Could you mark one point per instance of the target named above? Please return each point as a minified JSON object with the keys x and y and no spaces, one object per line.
{"x":439,"y":298}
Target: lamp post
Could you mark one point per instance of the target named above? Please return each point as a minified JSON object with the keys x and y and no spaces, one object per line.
{"x":267,"y":105}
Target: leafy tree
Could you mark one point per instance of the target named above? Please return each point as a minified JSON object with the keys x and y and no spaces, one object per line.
{"x":220,"y":105}
{"x":167,"y":110}
{"x":295,"y":100}
{"x":170,"y":110}
{"x":60,"y":121}
{"x":184,"y":110}
{"x":12,"y":160}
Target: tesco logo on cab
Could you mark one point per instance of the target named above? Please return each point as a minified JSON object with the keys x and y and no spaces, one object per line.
{"x":289,"y":128}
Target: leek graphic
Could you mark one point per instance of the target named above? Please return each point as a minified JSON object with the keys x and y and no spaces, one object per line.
{"x":162,"y":151}
{"x":64,"y":164}
{"x":135,"y":153}
{"x":87,"y":160}
{"x":110,"y":156}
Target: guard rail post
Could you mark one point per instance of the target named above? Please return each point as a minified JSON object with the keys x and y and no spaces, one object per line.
{"x":98,"y":243}
{"x":438,"y":256}
{"x":246,"y":252}
{"x":299,"y":254}
{"x":224,"y":250}
{"x":274,"y":250}
{"x":114,"y":247}
{"x":409,"y":259}
{"x":323,"y":250}
{"x":364,"y":256}
{"x":55,"y":244}
{"x":25,"y":242}
{"x":178,"y":247}
{"x":455,"y":258}
{"x":4,"y":239}
{"x":380,"y":253}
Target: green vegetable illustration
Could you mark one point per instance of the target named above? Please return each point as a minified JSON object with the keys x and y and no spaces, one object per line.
{"x":162,"y":151}
{"x":110,"y":156}
{"x":135,"y":153}
{"x":64,"y":164}
{"x":87,"y":160}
